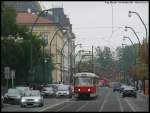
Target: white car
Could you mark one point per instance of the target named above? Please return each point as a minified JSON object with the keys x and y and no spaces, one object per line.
{"x":129,"y":91}
{"x":13,"y":95}
{"x":122,"y":88}
{"x":63,"y":91}
{"x":32,"y":98}
{"x":22,"y":89}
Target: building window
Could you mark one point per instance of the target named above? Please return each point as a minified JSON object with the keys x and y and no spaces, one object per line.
{"x":45,"y":38}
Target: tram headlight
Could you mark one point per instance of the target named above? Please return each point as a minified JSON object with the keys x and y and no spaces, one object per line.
{"x":89,"y":89}
{"x":78,"y":89}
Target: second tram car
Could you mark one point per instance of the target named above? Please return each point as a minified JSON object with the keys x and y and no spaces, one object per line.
{"x":86,"y":84}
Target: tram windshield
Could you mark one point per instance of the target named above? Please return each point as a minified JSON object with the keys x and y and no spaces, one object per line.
{"x":84,"y":81}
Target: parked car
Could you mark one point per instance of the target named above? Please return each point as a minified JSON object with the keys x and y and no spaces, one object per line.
{"x":13,"y":96}
{"x":64,"y":91}
{"x":122,"y":87}
{"x":129,"y":92}
{"x":116,"y":86}
{"x":2,"y":101}
{"x":32,"y":98}
{"x":54,"y":86}
{"x":22,"y":89}
{"x":48,"y":92}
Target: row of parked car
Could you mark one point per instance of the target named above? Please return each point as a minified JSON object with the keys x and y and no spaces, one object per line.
{"x":125,"y":90}
{"x":26,"y":96}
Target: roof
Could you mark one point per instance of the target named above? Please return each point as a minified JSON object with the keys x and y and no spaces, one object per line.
{"x":85,"y":74}
{"x":23,"y":6}
{"x":28,"y":18}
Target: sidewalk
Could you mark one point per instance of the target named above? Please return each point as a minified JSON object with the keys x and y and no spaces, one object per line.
{"x":141,"y":93}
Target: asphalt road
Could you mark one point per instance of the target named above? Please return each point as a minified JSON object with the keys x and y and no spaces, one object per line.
{"x":107,"y":100}
{"x":47,"y":103}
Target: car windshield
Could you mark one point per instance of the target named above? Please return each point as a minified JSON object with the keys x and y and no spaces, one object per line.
{"x":48,"y":88}
{"x":128,"y":88}
{"x":32,"y":93}
{"x":13,"y":91}
{"x":22,"y":88}
{"x":63,"y":88}
{"x":116,"y":85}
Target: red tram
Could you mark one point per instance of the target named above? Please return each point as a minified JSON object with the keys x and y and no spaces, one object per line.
{"x":85,"y":84}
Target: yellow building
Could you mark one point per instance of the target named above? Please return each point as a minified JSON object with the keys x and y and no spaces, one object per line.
{"x":46,"y":29}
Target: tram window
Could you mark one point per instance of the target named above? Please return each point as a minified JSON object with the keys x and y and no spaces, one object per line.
{"x":84,"y":81}
{"x":94,"y":81}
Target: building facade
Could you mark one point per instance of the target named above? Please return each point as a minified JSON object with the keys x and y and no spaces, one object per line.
{"x":46,"y":26}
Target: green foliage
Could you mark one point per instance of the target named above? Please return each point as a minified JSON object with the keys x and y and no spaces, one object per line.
{"x":16,"y":47}
{"x":134,"y":60}
{"x":8,"y":21}
{"x":104,"y":60}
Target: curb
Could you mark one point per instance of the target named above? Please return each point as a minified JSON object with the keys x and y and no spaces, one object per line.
{"x":143,"y":96}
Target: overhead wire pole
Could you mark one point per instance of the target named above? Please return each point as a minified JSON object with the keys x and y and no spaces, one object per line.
{"x":82,"y":58}
{"x":73,"y":71}
{"x":75,"y":58}
{"x":54,"y":35}
{"x":92,"y":60}
{"x":62,"y":58}
{"x":135,"y":52}
{"x":112,"y":18}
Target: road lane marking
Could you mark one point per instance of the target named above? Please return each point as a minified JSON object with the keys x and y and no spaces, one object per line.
{"x":131,"y":106}
{"x":82,"y":106}
{"x":106,"y":97}
{"x":65,"y":106}
{"x":120,"y":103}
{"x":49,"y":107}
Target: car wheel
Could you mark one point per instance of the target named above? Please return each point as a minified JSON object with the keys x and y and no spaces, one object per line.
{"x":42,"y":104}
{"x":22,"y":106}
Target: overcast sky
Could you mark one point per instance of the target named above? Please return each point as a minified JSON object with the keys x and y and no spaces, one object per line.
{"x":102,"y":23}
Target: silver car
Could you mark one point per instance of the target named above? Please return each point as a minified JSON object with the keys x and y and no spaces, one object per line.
{"x":12,"y":96}
{"x":48,"y":92}
{"x":63,"y":91}
{"x":32,"y":98}
{"x":22,"y":89}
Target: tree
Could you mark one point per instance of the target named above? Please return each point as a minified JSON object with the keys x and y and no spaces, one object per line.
{"x":8,"y":21}
{"x":104,"y":61}
{"x":16,"y":46}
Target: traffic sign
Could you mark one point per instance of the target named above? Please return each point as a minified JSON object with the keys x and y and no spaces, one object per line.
{"x":13,"y":74}
{"x":7,"y":72}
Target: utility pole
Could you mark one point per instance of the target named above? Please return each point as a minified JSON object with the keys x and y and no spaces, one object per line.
{"x":92,"y":61}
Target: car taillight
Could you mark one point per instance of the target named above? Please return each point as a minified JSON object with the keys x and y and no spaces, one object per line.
{"x":78,"y":89}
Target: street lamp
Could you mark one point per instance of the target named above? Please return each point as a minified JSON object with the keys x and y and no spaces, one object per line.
{"x":60,"y":28}
{"x":74,"y":50}
{"x":62,"y":58}
{"x":132,"y":44}
{"x":73,"y":56}
{"x":126,"y":27}
{"x":134,"y":51}
{"x":132,"y":12}
{"x":125,"y":75}
{"x":31,"y":35}
{"x":63,"y":29}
